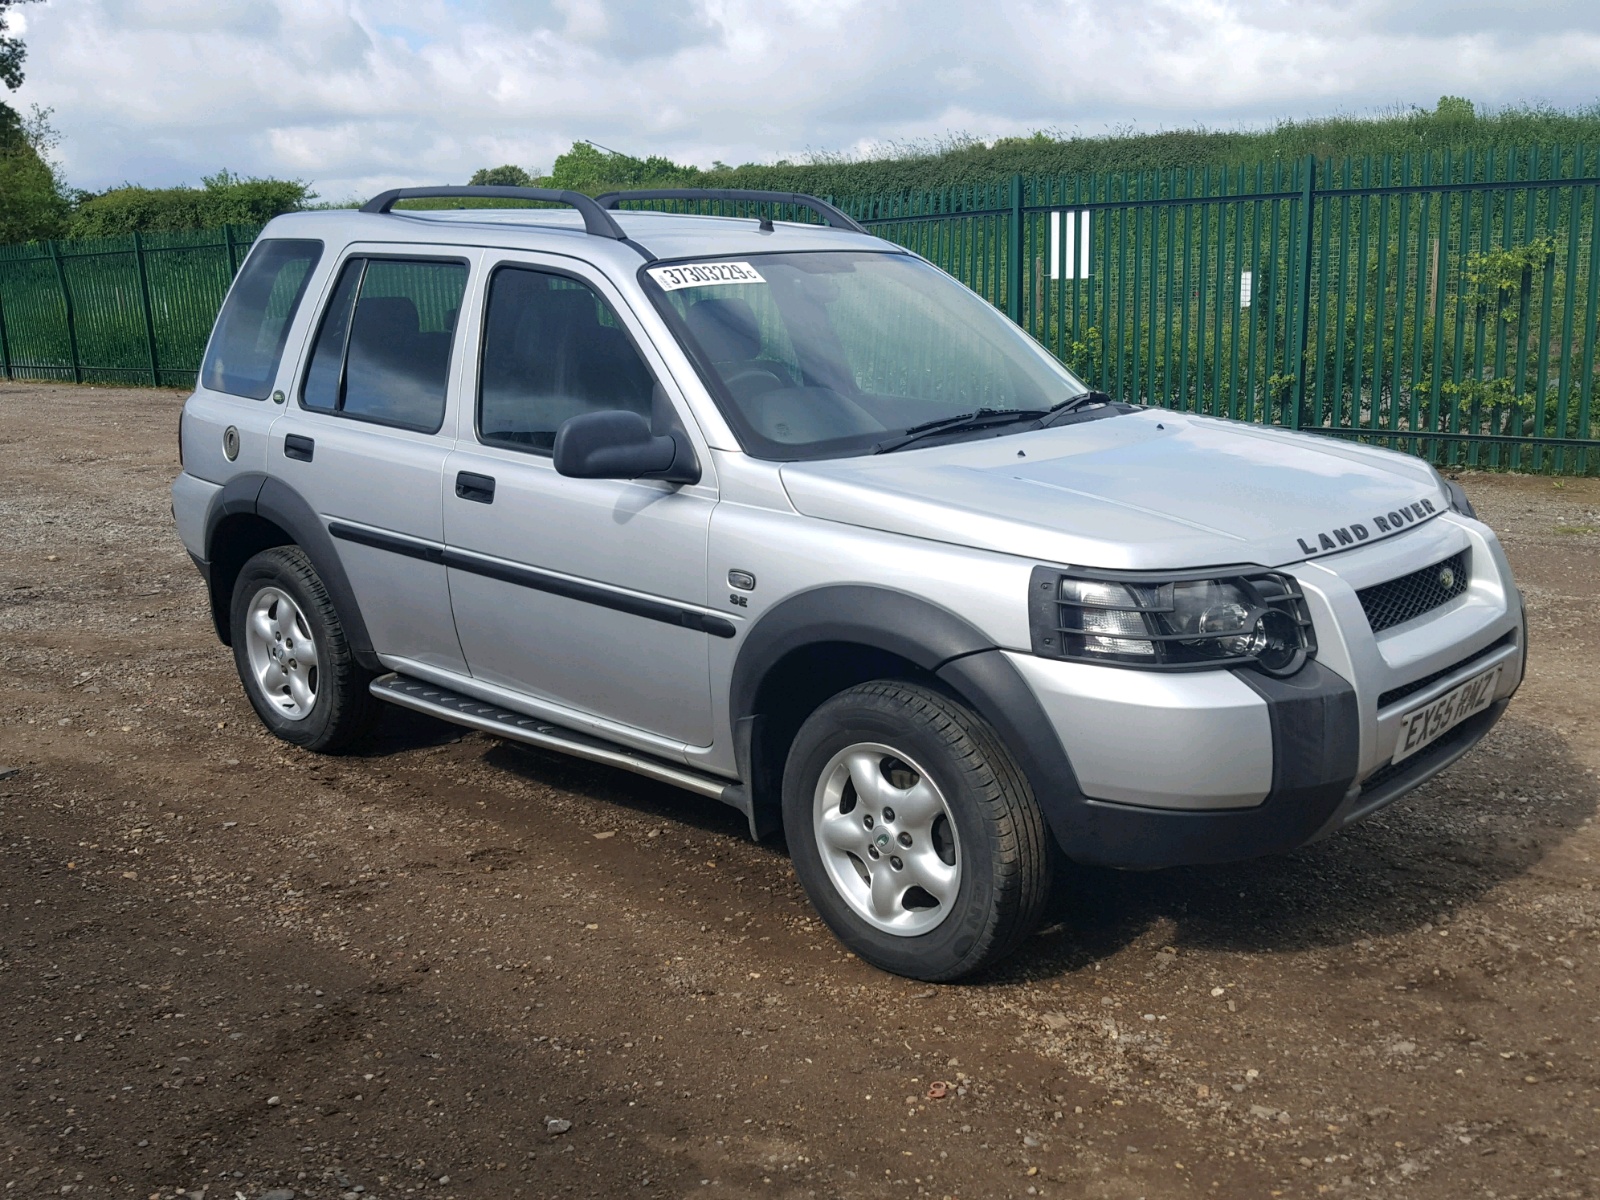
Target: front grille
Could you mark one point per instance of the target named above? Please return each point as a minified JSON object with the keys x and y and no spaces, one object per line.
{"x":1416,"y":685}
{"x":1399,"y":600}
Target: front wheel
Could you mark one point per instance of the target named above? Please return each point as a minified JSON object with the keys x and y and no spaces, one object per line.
{"x":913,"y":832}
{"x":292,"y":656}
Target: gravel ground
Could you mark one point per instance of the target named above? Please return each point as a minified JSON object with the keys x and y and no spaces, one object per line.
{"x":445,"y":966}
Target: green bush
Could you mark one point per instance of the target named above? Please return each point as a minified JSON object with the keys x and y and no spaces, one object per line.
{"x":506,"y":176}
{"x":586,"y":168}
{"x":32,"y":204}
{"x":225,"y":199}
{"x":960,"y":161}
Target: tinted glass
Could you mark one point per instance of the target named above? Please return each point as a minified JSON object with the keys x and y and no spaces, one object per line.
{"x":552,"y":348}
{"x":832,"y":353}
{"x":242,"y":359}
{"x":321,"y":386}
{"x":387,"y":359}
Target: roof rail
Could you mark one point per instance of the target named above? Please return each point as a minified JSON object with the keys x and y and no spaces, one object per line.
{"x":822,"y":208}
{"x":596,"y":220}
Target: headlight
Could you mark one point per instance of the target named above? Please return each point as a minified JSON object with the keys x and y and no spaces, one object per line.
{"x":1255,"y":618}
{"x":1458,"y":499}
{"x":1458,"y":495}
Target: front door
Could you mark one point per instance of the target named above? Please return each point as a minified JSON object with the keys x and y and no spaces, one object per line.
{"x":365,"y":439}
{"x":585,"y":594}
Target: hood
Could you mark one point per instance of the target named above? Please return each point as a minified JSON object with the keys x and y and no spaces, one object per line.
{"x":1146,"y":490}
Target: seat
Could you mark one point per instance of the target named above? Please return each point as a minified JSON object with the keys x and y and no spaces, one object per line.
{"x":729,"y":333}
{"x":553,"y":359}
{"x":392,"y":372}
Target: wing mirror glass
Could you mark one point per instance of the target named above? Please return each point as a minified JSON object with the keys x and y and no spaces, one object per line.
{"x":618,"y":444}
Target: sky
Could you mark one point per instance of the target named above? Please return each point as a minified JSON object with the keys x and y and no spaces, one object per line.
{"x":358,"y":95}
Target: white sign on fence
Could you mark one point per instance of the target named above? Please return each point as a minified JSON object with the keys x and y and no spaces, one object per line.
{"x":1069,"y":254}
{"x":1245,"y":282}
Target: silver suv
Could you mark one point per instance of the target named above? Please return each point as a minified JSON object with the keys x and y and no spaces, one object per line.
{"x":780,"y":513}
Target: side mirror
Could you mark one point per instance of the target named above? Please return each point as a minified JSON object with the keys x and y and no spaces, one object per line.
{"x":618,"y":444}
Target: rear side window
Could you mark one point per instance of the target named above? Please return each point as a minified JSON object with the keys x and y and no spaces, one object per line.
{"x":552,"y":349}
{"x":383,"y":351}
{"x":242,"y":359}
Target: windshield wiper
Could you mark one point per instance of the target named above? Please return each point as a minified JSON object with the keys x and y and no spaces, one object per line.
{"x":980,"y":418}
{"x":1071,"y":405}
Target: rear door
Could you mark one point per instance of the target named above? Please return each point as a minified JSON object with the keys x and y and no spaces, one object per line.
{"x":365,"y":441}
{"x":587,"y":594}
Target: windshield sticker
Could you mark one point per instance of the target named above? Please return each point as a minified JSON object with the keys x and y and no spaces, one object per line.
{"x":672,"y":279}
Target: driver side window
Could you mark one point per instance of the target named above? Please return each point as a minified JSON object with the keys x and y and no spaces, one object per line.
{"x":552,"y":349}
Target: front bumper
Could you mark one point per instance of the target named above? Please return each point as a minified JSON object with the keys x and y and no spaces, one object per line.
{"x":1207,"y":767}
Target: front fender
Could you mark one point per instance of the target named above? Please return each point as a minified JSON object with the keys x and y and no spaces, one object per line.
{"x":936,"y":641}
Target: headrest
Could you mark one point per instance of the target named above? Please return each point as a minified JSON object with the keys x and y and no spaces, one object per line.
{"x":387,"y":317}
{"x":570,"y":306}
{"x":726,"y":329}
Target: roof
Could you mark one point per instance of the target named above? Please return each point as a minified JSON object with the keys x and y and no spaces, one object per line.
{"x":664,"y":235}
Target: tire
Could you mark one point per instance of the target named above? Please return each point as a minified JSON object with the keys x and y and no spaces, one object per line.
{"x":962,"y":802}
{"x":280,"y":611}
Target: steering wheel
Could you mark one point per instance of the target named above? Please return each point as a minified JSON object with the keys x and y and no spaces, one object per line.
{"x":750,"y":380}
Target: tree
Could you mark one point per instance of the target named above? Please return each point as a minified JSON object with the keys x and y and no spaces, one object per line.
{"x":12,"y":51}
{"x":587,"y":168}
{"x":32,"y":200}
{"x":32,"y":203}
{"x":506,"y":176}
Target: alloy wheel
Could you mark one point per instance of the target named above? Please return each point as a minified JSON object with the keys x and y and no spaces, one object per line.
{"x":886,"y":838}
{"x":282,"y":652}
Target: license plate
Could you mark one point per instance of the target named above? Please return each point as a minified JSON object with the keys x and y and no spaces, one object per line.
{"x":1422,"y":726}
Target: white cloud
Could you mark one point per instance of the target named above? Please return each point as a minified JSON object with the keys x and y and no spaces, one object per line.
{"x":355,"y":95}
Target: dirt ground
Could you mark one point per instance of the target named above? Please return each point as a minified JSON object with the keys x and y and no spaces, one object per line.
{"x":230,"y":968}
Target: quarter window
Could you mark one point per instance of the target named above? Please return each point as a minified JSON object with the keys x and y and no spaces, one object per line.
{"x":383,"y":351}
{"x":242,"y":359}
{"x":552,"y":349}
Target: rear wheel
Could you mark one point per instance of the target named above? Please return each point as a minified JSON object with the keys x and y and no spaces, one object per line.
{"x":292,"y":656}
{"x":914,"y":834}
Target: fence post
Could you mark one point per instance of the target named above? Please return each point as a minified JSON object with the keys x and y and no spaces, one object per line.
{"x":66,"y":299}
{"x":233,"y":257}
{"x":1303,"y":288}
{"x":1014,"y":254}
{"x":149,"y":315}
{"x":5,"y":341}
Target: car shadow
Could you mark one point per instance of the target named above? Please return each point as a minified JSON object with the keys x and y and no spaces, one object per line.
{"x":1489,"y":818}
{"x":622,"y":789}
{"x":401,"y":729}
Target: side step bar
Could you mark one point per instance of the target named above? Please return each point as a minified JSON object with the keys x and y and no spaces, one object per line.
{"x":460,"y":709}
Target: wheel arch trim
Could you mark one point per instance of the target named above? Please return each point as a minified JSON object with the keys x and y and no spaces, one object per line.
{"x":277,"y":503}
{"x":945,"y":645}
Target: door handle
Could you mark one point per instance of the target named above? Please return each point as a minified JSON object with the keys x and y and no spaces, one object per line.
{"x":296,"y":446}
{"x":478,"y":488}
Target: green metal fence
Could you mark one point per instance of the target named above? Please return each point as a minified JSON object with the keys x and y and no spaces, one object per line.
{"x":1446,"y":304}
{"x":115,"y":310}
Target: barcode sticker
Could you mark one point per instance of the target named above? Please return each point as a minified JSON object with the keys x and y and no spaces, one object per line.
{"x":691,"y":275}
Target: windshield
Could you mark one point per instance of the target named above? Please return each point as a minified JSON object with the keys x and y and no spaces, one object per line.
{"x":833,"y":353}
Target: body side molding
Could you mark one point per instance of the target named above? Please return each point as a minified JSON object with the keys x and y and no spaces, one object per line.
{"x":649,"y":608}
